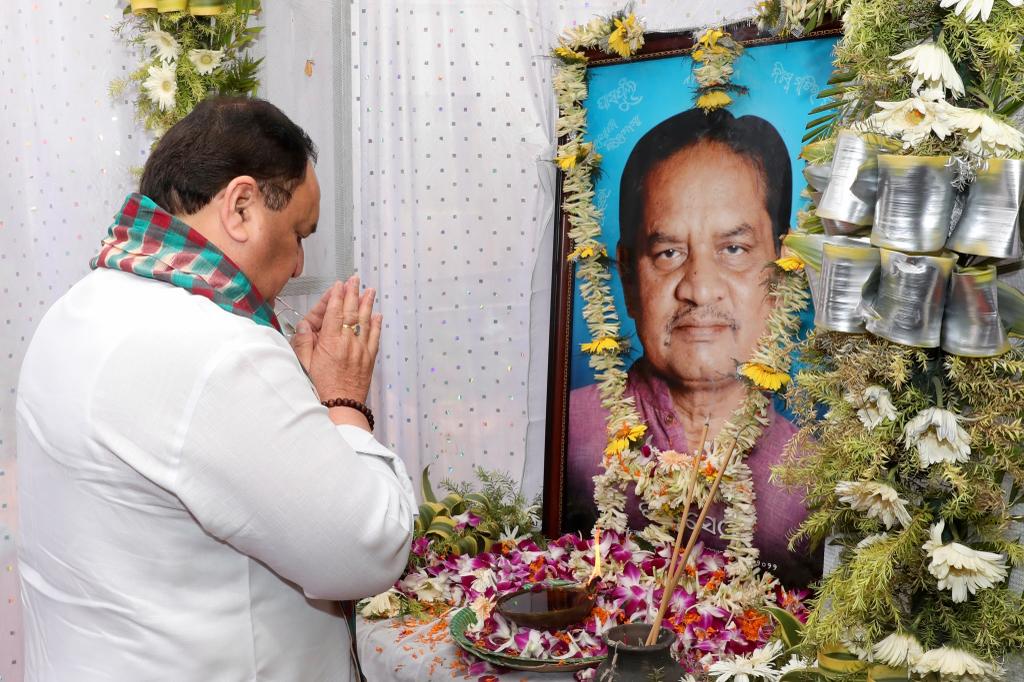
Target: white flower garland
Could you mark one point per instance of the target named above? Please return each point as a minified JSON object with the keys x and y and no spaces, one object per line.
{"x":624,"y":463}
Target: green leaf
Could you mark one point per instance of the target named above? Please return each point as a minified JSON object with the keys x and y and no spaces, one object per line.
{"x":454,"y":503}
{"x":791,"y":630}
{"x":1011,"y":308}
{"x":425,"y":489}
{"x":807,"y":246}
{"x":442,"y":527}
{"x":468,"y":545}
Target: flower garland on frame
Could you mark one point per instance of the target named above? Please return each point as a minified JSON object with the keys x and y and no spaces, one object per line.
{"x":191,"y":49}
{"x":659,"y":477}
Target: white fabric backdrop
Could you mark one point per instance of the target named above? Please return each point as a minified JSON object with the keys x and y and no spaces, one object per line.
{"x":452,"y":129}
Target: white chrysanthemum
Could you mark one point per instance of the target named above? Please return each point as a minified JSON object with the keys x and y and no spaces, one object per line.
{"x":796,"y":663}
{"x":206,"y":61}
{"x":972,"y":9}
{"x":912,"y":120}
{"x":877,"y":500}
{"x":931,"y":68}
{"x":162,"y":86}
{"x":984,"y":135}
{"x":947,"y":662}
{"x":756,"y":665}
{"x":897,"y":650}
{"x":960,"y":568}
{"x":938,"y":436}
{"x":874,"y":406}
{"x":384,"y":605}
{"x":167,"y":48}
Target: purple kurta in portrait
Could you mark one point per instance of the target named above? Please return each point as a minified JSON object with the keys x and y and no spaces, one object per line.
{"x":779,"y":511}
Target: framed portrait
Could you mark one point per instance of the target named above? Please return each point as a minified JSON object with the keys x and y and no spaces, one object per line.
{"x":693,"y":208}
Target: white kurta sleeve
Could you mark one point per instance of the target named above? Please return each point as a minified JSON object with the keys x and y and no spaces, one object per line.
{"x":262,"y":467}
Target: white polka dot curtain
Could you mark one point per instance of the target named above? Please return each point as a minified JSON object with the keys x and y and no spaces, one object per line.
{"x":452,"y":129}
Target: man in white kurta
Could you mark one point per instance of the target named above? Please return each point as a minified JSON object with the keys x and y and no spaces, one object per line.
{"x":189,"y":511}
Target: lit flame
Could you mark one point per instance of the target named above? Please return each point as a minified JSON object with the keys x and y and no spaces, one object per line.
{"x":596,"y":573}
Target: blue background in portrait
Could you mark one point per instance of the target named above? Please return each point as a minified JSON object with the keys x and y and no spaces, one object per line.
{"x":626,"y":100}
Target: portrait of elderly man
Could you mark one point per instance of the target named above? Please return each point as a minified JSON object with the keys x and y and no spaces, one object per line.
{"x":704,"y":201}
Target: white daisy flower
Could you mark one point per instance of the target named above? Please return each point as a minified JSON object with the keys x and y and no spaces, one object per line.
{"x":874,"y":406}
{"x":938,"y":436}
{"x":167,"y":48}
{"x":897,"y":650}
{"x":384,"y":605}
{"x":960,"y":568}
{"x":931,"y":67}
{"x":984,"y":135}
{"x":796,"y":663}
{"x":911,"y":120}
{"x":946,"y":661}
{"x":877,"y":500}
{"x":972,"y":9}
{"x":756,"y":665}
{"x":162,"y":86}
{"x":206,"y":61}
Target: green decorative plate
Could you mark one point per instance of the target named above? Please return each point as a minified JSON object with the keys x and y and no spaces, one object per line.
{"x":465,"y":617}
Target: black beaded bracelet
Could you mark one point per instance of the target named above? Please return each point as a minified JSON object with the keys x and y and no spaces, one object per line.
{"x":354,"y":404}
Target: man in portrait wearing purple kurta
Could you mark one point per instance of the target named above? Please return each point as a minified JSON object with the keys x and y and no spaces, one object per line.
{"x":704,"y":200}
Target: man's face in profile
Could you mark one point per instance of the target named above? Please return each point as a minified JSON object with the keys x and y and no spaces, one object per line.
{"x":696,"y":287}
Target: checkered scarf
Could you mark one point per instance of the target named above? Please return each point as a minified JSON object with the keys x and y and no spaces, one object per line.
{"x":147,"y":241}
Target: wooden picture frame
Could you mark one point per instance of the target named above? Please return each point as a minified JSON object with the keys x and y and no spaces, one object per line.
{"x":657,"y":46}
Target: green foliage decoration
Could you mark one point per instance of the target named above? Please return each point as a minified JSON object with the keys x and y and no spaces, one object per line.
{"x":468,"y":521}
{"x":883,"y":585}
{"x":228,"y":32}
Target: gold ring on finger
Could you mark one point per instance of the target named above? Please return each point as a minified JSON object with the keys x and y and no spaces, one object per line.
{"x":354,"y":327}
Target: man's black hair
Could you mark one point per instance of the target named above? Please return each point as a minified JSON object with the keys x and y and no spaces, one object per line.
{"x":221,"y":139}
{"x":751,"y":137}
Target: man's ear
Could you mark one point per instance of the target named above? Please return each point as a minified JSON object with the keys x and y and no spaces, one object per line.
{"x":627,"y":273}
{"x":237,"y":206}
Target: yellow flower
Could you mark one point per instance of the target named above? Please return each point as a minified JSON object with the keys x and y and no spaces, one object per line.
{"x":698,"y":55}
{"x":716,"y":99}
{"x":710,"y":37}
{"x":764,"y":376}
{"x":603,"y":345}
{"x":631,"y":432}
{"x":616,"y":446}
{"x":789,"y":263}
{"x":567,"y":54}
{"x":617,"y":39}
{"x":588,"y":251}
{"x":567,"y":162}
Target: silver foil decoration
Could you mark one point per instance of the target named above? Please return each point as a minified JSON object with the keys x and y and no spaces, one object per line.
{"x":971,"y":325}
{"x":915,"y":202}
{"x":848,"y":204}
{"x":817,"y":175}
{"x":990,"y":223}
{"x":908,"y":303}
{"x":846,"y":264}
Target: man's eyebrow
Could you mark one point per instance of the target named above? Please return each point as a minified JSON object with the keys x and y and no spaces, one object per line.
{"x":655,"y":238}
{"x":742,"y":229}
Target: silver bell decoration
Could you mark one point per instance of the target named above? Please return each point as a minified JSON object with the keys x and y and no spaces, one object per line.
{"x":990,"y":223}
{"x":908,"y":303}
{"x":971,"y":325}
{"x":848,"y":203}
{"x":846,"y":264}
{"x":915,"y":203}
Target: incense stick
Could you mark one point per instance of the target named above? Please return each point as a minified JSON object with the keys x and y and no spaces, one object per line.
{"x":691,"y":489}
{"x":673,"y":579}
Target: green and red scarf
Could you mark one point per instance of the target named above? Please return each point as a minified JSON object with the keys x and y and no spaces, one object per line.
{"x":147,"y":241}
